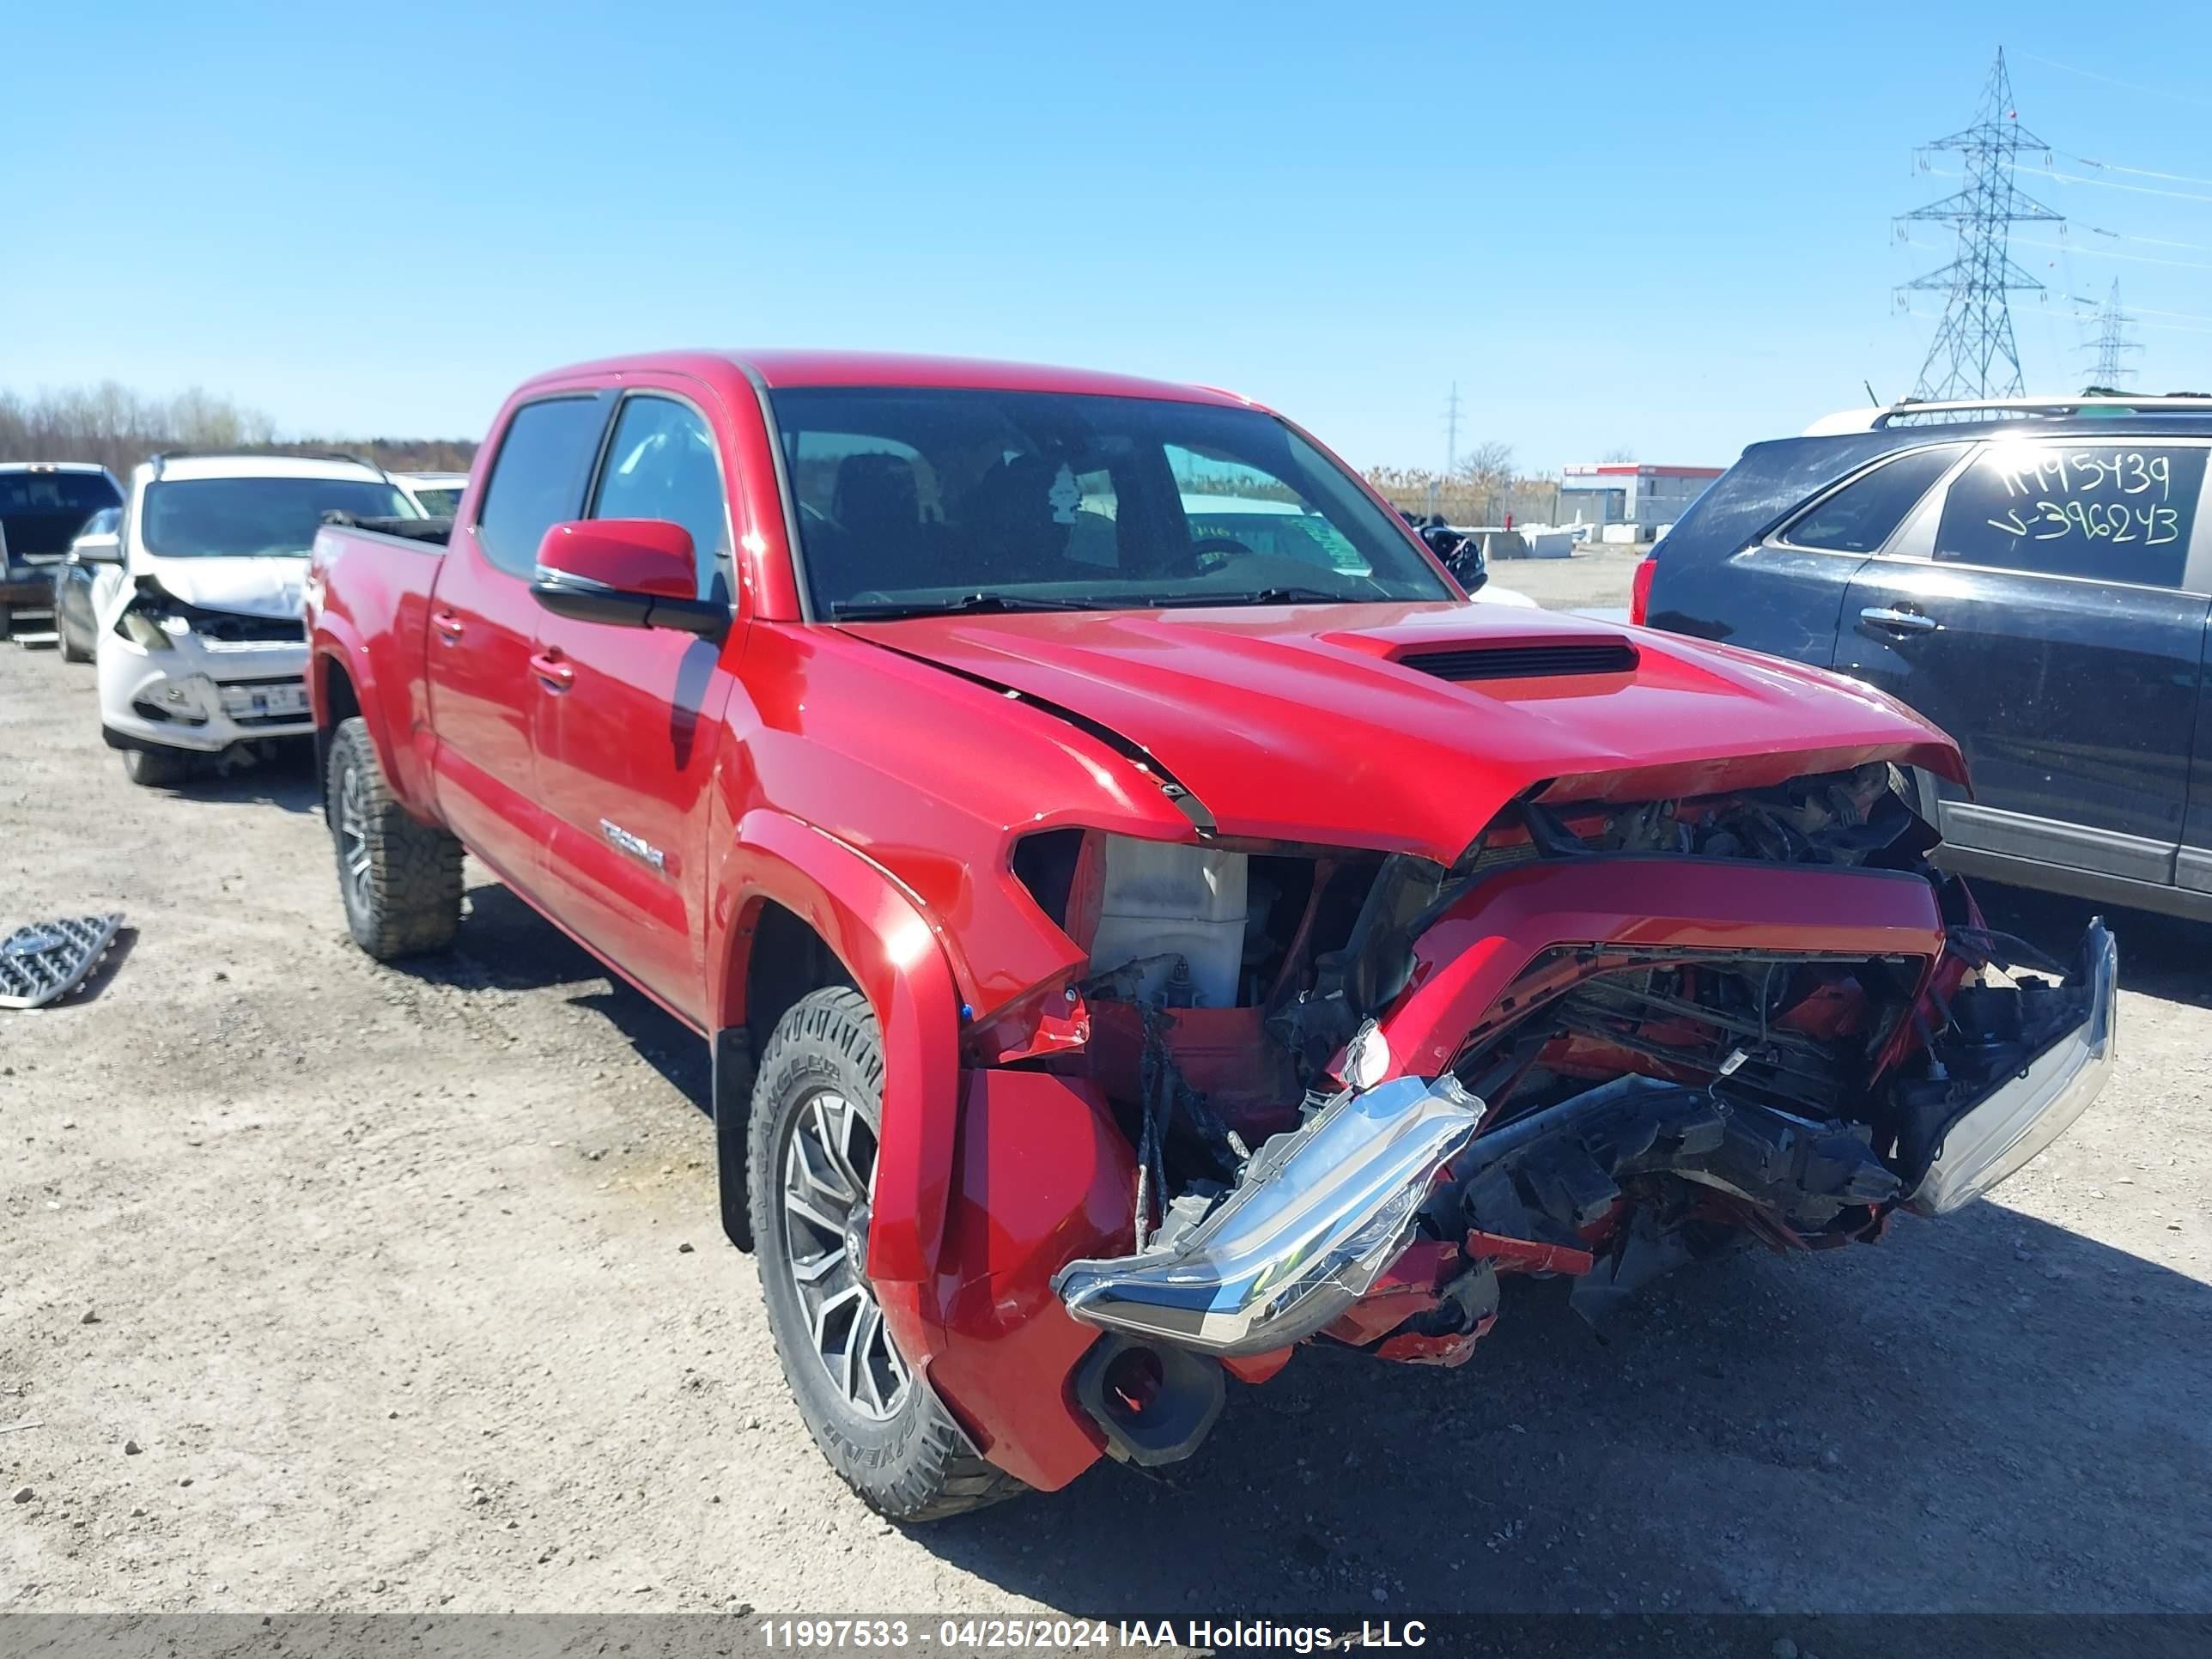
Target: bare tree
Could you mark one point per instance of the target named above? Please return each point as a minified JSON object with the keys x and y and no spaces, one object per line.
{"x":1488,"y":466}
{"x":118,"y":428}
{"x":1619,"y":453}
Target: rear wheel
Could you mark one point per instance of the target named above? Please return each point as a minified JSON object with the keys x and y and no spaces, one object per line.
{"x":811,"y":1167}
{"x":400,"y":879}
{"x":156,"y":769}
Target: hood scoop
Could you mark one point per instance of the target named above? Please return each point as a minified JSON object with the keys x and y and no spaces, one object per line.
{"x":1525,"y":660}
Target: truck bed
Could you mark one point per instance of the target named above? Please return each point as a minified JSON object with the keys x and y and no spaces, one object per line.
{"x":379,"y":607}
{"x":438,"y":531}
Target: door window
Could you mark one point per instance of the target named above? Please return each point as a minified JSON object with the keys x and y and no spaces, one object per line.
{"x":1866,"y":512}
{"x":661,"y":465}
{"x":2119,"y":513}
{"x":539,"y":478}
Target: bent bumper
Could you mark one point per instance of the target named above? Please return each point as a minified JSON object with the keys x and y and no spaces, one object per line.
{"x":2005,"y":1131}
{"x":201,"y":696}
{"x":1320,"y":1216}
{"x":1317,"y":1217}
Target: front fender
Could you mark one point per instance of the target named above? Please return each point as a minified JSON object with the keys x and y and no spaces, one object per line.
{"x":878,"y":929}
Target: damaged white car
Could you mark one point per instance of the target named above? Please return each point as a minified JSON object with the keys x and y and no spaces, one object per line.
{"x":200,"y":649}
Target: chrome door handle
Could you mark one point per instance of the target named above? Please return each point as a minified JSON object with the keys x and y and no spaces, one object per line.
{"x":1908,"y":622}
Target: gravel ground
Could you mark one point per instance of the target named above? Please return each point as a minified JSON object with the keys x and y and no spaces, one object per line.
{"x":330,"y":1287}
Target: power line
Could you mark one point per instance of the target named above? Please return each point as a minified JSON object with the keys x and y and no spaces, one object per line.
{"x":1451,"y":431}
{"x":2140,"y":172}
{"x":2114,"y":81}
{"x":2114,"y":184}
{"x":1946,"y":173}
{"x":1973,"y":354}
{"x":2112,"y":253}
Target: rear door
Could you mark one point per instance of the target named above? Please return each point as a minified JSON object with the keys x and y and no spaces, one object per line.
{"x":484,"y":684}
{"x":628,"y":721}
{"x":2054,"y":625}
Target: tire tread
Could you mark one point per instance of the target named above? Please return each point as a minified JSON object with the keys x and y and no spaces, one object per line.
{"x":941,"y":1475}
{"x":415,"y":868}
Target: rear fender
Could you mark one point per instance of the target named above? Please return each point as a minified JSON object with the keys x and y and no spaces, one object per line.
{"x":889,"y":947}
{"x":338,"y":650}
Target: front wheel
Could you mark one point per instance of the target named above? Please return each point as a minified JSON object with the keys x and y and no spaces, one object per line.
{"x":811,"y":1165}
{"x":400,"y":879}
{"x":156,"y":769}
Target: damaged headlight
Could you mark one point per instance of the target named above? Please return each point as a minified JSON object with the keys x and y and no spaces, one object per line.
{"x":147,"y":630}
{"x":1313,"y":1221}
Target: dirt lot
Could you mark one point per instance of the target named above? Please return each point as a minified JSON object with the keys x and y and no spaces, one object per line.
{"x":324,"y":1286}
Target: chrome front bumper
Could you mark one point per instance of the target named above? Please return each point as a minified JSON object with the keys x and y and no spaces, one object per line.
{"x":2016,"y":1121}
{"x":1315,"y":1219}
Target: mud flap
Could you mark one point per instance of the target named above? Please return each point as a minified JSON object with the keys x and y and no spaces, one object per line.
{"x":732,"y":1098}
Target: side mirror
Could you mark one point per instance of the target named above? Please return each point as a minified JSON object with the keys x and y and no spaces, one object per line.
{"x":630,"y":573}
{"x":96,"y":550}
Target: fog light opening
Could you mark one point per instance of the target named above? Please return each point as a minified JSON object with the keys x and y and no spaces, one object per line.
{"x":1150,"y":1404}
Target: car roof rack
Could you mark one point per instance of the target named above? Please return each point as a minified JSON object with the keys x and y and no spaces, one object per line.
{"x":1988,"y":410}
{"x":269,"y":452}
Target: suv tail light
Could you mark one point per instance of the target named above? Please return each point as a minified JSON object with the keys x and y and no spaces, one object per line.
{"x":1639,"y":589}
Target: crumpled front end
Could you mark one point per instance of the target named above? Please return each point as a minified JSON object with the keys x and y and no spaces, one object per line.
{"x":177,"y":675}
{"x":1623,"y":1040}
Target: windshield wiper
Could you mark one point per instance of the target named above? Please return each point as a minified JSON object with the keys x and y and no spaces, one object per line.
{"x":1262,"y":596}
{"x":967,"y":604}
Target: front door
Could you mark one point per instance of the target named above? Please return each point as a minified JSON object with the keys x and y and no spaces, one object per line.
{"x":2056,"y":631}
{"x":484,"y":687}
{"x":629,"y":733}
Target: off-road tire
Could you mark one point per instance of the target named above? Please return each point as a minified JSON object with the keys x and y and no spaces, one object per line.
{"x":156,"y":769}
{"x":918,"y":1464}
{"x":409,"y":898}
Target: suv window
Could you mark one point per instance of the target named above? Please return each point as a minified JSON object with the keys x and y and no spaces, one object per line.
{"x":2120,"y":512}
{"x":539,"y":478}
{"x":1866,"y":512}
{"x":661,"y":465}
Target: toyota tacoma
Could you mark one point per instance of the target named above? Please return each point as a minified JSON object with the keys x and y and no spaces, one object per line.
{"x":1136,"y":940}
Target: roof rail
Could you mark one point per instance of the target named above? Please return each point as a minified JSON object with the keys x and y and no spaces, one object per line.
{"x":1954,"y":412}
{"x":261,"y":453}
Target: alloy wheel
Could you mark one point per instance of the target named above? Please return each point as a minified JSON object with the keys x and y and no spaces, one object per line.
{"x":353,"y":839}
{"x":829,"y":1175}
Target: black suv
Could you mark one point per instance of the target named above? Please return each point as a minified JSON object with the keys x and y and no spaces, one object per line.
{"x":2034,"y":577}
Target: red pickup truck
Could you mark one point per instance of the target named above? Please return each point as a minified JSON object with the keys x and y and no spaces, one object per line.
{"x":1145,"y":916}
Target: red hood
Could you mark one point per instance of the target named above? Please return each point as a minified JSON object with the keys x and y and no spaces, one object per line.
{"x":1296,"y":723}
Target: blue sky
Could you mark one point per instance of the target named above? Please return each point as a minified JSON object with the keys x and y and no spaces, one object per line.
{"x":1658,"y":228}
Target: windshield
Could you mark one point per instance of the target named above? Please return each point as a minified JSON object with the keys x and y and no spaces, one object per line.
{"x":913,"y":500}
{"x":207,"y":518}
{"x":42,"y":511}
{"x":438,"y":500}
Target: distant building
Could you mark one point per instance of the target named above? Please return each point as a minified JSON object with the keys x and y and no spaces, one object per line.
{"x":1628,"y":492}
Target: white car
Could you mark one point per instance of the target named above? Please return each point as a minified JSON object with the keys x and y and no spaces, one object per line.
{"x":198,"y":639}
{"x":438,"y":494}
